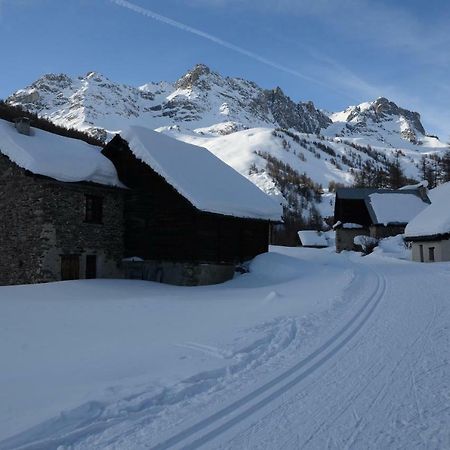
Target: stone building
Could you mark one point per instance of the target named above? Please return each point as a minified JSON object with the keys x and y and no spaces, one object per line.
{"x":62,"y":208}
{"x":378,"y":213}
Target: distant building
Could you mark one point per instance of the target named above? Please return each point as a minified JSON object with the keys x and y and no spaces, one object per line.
{"x":378,"y":213}
{"x":313,"y":239}
{"x":189,"y":217}
{"x":429,"y":232}
{"x":62,"y":208}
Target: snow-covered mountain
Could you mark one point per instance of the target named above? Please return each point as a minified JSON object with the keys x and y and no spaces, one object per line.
{"x":292,"y":150}
{"x":380,"y":120}
{"x":199,"y":99}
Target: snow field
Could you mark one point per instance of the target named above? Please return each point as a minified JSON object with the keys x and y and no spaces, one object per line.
{"x":95,"y":349}
{"x":309,"y":350}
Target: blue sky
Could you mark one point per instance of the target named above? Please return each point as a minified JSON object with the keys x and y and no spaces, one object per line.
{"x":334,"y":52}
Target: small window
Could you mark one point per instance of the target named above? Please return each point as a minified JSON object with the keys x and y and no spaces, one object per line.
{"x":94,"y":209}
{"x":431,"y":254}
{"x":421,"y":252}
{"x":91,"y":266}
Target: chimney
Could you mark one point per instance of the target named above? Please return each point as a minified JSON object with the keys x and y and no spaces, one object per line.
{"x":423,"y":190}
{"x":23,"y":125}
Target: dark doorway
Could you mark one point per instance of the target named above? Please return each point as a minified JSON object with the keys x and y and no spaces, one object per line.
{"x":431,"y":254}
{"x":91,"y":266}
{"x":70,"y":267}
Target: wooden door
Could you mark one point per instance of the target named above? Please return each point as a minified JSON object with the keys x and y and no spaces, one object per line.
{"x":70,"y":267}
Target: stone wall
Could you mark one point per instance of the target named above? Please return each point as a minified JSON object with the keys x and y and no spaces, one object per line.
{"x":381,"y":232}
{"x":43,"y":219}
{"x":345,"y":237}
{"x":179,"y":273}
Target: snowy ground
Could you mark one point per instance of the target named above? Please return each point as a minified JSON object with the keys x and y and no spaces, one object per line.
{"x":309,"y":350}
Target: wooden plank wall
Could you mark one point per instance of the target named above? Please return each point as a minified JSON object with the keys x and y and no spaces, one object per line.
{"x":161,"y":224}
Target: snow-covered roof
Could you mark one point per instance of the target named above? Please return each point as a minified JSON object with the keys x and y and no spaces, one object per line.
{"x":421,"y":184}
{"x":387,"y":206}
{"x":435,"y":219}
{"x":395,"y":207}
{"x":439,"y":193}
{"x":350,"y":226}
{"x":350,"y":193}
{"x":57,"y":157}
{"x":312,"y":238}
{"x":199,"y":176}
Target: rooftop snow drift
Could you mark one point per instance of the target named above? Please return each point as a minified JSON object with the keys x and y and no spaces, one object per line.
{"x":55,"y":156}
{"x":389,"y":208}
{"x":434,"y":220}
{"x":199,"y":176}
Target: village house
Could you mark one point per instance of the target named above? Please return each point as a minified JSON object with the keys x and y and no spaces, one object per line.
{"x":378,"y":213}
{"x":62,"y":208}
{"x":429,"y":232}
{"x":171,"y":212}
{"x":189,"y":217}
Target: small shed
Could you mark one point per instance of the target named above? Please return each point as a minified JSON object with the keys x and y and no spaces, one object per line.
{"x":378,"y":213}
{"x":189,"y":216}
{"x":312,"y":239}
{"x":429,"y":232}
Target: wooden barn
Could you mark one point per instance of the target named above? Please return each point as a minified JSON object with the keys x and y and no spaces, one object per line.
{"x":189,"y":217}
{"x":378,"y":213}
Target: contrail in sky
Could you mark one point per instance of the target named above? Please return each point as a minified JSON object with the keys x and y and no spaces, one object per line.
{"x":181,"y":26}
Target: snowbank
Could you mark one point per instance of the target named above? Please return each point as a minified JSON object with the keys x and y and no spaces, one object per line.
{"x":55,"y":156}
{"x":202,"y":178}
{"x":392,"y":247}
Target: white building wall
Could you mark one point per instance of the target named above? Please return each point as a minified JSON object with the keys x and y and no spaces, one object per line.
{"x":441,"y":250}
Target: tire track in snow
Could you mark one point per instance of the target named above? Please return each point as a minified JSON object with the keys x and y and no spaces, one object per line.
{"x":281,"y":383}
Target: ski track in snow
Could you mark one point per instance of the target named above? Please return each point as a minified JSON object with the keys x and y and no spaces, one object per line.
{"x":390,"y":389}
{"x":379,"y":378}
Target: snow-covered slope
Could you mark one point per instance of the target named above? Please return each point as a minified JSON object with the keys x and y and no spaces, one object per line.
{"x":288,"y":149}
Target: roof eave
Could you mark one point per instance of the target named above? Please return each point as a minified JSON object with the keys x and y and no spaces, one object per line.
{"x":428,"y":237}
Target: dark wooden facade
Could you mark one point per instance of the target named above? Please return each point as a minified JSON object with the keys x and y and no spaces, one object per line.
{"x":160,"y":224}
{"x":351,"y":211}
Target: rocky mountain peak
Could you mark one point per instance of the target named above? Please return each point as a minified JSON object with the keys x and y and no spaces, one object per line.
{"x":94,"y":76}
{"x":193,"y":76}
{"x":303,"y":117}
{"x":383,"y":115}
